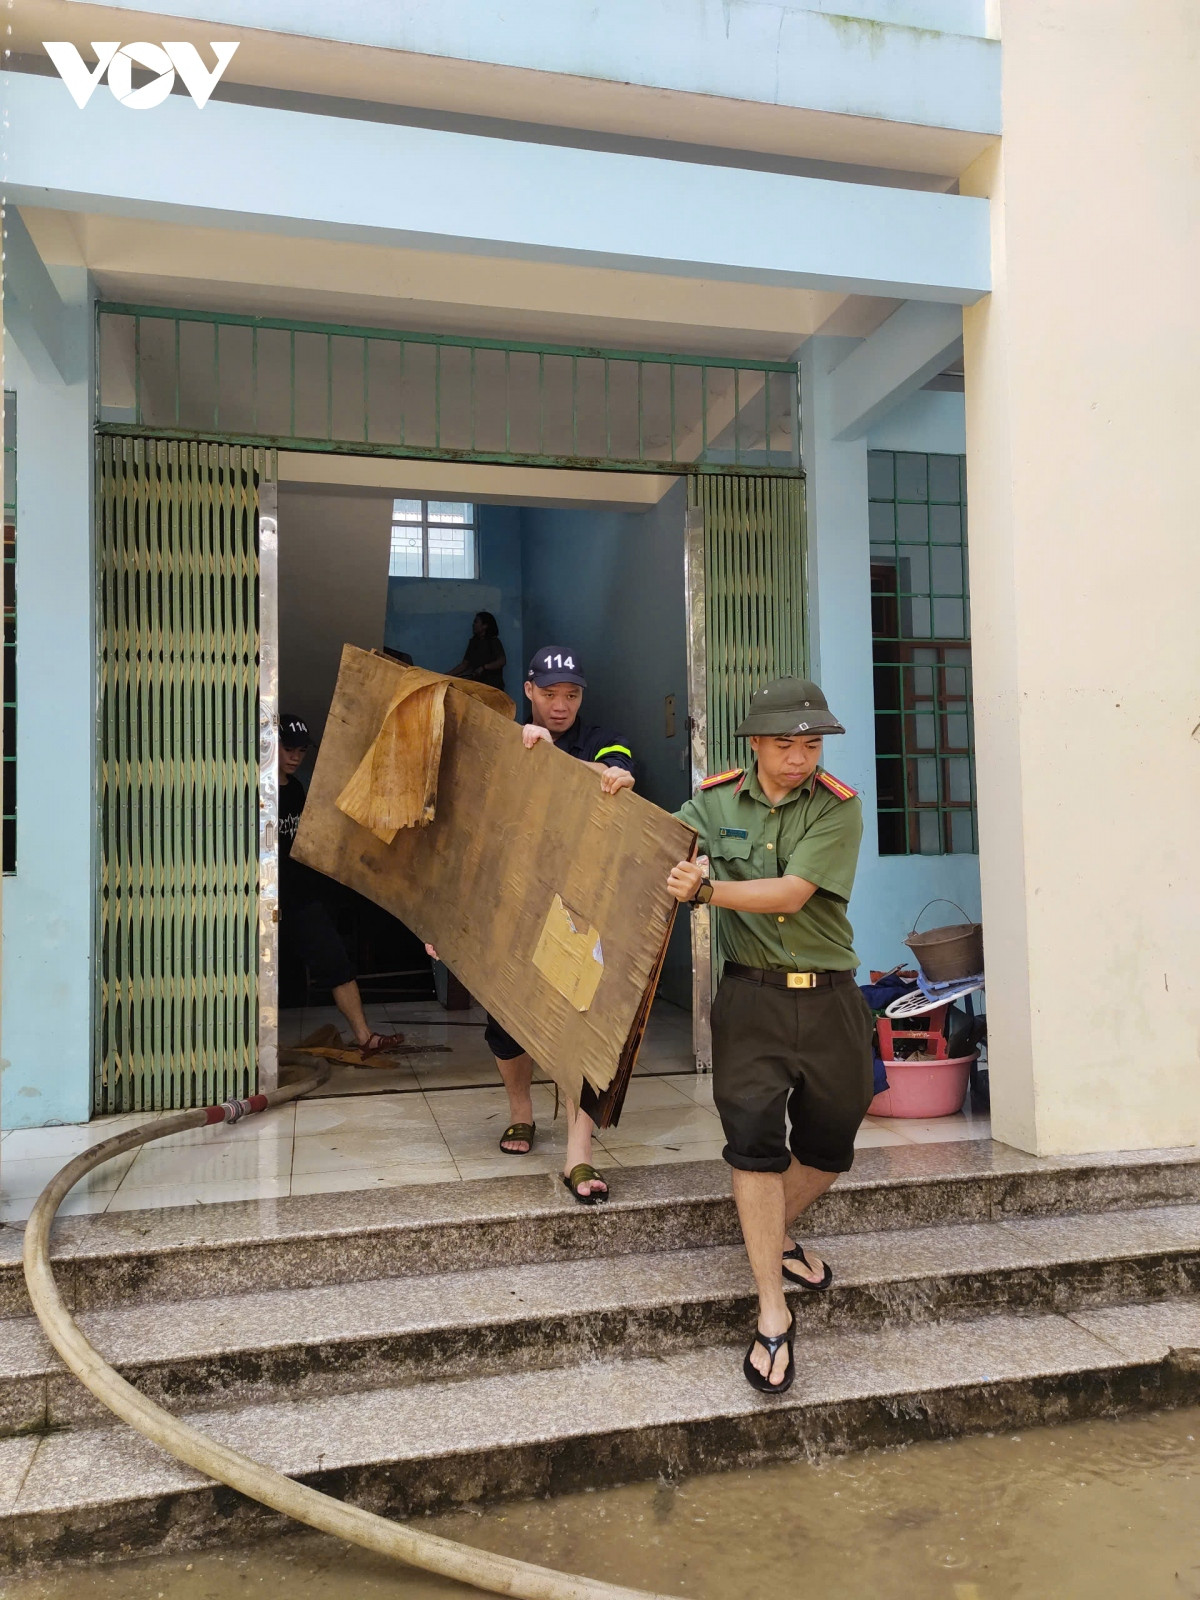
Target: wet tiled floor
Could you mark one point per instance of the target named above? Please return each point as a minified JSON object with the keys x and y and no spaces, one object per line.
{"x":433,"y":1118}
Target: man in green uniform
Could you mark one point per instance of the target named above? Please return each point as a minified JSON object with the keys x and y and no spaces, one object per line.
{"x":791,"y":1032}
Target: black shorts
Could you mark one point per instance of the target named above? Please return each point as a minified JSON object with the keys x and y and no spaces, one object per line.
{"x":803,"y":1054}
{"x":502,"y":1045}
{"x":309,"y":933}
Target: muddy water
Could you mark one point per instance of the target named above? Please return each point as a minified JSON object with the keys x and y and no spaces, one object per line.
{"x":1097,"y":1511}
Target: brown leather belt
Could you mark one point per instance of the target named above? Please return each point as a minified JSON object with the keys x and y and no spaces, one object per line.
{"x":787,"y":980}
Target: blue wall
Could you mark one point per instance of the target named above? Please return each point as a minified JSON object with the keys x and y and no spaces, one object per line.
{"x":892,"y":889}
{"x":611,"y":585}
{"x":431,"y":618}
{"x":49,"y":903}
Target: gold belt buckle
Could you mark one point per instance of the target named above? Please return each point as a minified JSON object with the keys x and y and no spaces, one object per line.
{"x":802,"y":980}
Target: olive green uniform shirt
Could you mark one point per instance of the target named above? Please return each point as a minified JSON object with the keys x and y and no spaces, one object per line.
{"x":810,"y":834}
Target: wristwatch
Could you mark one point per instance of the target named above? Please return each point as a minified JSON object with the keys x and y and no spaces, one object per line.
{"x":703,"y":894}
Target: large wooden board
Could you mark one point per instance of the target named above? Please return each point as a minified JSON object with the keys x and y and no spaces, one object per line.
{"x":518,"y":838}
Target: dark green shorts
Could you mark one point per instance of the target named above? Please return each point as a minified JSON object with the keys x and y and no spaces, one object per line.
{"x":802,"y":1055}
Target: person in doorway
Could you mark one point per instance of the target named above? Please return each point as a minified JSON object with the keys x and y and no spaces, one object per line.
{"x":305,"y":922}
{"x":791,"y":1032}
{"x":554,"y":686}
{"x":484,"y":660}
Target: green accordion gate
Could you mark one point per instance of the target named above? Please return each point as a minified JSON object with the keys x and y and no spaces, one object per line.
{"x":747,"y":599}
{"x":746,"y":607}
{"x":178,"y":623}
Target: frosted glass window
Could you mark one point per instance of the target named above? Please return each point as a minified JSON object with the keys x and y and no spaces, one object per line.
{"x":434,"y":539}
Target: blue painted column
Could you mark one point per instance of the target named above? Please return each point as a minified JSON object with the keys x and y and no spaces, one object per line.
{"x":889,"y":890}
{"x":839,"y":570}
{"x":45,"y":1020}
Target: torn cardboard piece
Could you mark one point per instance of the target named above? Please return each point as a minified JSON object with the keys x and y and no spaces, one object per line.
{"x":395,"y":783}
{"x":511,"y":830}
{"x":569,"y":956}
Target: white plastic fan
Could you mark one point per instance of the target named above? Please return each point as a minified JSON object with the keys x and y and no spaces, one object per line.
{"x":917,"y":1005}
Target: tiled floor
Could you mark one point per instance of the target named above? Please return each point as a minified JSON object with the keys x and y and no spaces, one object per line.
{"x":441,"y":1122}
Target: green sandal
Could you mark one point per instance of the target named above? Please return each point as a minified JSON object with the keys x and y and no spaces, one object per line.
{"x":518,"y":1130}
{"x":584,"y":1173}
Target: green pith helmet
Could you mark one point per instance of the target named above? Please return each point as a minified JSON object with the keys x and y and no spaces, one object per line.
{"x":788,"y":706}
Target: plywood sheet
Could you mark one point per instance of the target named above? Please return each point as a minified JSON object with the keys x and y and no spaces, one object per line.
{"x":545,"y":896}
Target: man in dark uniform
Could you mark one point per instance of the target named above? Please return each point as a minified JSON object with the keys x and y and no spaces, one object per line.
{"x":306,"y":927}
{"x":791,"y":1032}
{"x":554,"y":685}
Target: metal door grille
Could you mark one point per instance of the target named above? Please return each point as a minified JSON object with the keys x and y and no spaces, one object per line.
{"x":746,"y":599}
{"x":178,"y":769}
{"x":754,"y":597}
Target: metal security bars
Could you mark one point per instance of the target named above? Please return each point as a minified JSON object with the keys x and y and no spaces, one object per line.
{"x":924,"y":725}
{"x":746,"y":605}
{"x":178,"y":773}
{"x":754,"y":597}
{"x":378,"y":392}
{"x":8,"y":673}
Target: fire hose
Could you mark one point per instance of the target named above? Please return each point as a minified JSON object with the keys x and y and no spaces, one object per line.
{"x":494,"y":1574}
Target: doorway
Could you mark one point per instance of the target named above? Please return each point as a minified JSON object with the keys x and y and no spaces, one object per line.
{"x":174,"y":674}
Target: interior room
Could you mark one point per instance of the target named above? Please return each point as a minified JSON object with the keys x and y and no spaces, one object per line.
{"x":409,"y":573}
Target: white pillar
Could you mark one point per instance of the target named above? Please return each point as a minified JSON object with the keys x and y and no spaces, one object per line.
{"x":1082,"y":417}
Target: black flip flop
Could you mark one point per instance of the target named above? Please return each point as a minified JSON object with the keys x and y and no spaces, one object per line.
{"x":772,"y":1346}
{"x":797,"y":1254}
{"x":583,"y":1173}
{"x":518,"y":1130}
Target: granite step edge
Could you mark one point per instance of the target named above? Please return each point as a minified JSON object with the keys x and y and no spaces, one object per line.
{"x":105,"y":1493}
{"x":231,"y":1350}
{"x":175,"y":1253}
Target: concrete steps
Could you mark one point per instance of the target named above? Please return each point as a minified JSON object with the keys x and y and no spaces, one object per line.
{"x":135,"y":1257}
{"x":104,"y":1492}
{"x":555,"y":1346}
{"x":385,"y":1333}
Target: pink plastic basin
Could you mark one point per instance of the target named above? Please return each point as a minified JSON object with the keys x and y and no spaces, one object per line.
{"x":923,"y":1088}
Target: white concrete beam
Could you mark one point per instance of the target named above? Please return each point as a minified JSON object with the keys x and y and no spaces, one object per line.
{"x":913,"y":345}
{"x":34,"y":313}
{"x":491,"y":485}
{"x":773,"y":52}
{"x":336,"y":178}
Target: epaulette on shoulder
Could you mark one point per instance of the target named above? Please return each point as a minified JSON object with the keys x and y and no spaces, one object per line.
{"x":836,"y":786}
{"x":722,"y":777}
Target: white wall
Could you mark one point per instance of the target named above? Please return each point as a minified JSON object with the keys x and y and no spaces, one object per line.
{"x":1082,"y":418}
{"x":333,"y":586}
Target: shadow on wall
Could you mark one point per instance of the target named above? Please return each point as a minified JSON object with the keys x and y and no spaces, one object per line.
{"x":333,"y":590}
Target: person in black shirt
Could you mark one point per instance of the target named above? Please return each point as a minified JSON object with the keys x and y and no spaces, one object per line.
{"x":305,"y":922}
{"x":484,"y":659}
{"x":554,"y":686}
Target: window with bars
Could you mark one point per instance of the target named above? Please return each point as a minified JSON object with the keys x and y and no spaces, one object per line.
{"x":921,"y":649}
{"x":433,"y":539}
{"x":8,"y":737}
